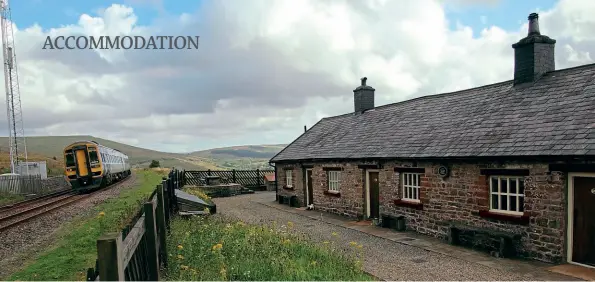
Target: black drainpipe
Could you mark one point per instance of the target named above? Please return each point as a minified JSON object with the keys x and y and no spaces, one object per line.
{"x":276,"y":194}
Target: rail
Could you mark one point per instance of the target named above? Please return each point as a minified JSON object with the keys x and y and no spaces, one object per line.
{"x":247,"y":178}
{"x":138,"y":252}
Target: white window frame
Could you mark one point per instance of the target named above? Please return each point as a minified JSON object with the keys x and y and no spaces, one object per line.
{"x":334,"y":180}
{"x":519,"y":208}
{"x":410,"y":186}
{"x":289,"y":178}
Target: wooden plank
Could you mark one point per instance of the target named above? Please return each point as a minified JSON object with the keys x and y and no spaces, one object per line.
{"x":161,"y":225}
{"x":133,"y":239}
{"x":151,"y":237}
{"x":109,"y":257}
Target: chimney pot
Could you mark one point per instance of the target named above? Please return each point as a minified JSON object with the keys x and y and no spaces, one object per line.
{"x":534,"y":24}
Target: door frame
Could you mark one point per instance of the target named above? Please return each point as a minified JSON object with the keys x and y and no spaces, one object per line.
{"x":368,"y":209}
{"x":570,"y":225}
{"x":307,"y":201}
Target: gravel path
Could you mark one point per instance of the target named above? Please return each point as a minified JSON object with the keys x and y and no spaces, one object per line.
{"x":23,"y":241}
{"x":383,"y":258}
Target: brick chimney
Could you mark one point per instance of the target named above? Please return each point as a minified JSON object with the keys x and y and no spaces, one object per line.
{"x":533,"y":55}
{"x":363,"y":97}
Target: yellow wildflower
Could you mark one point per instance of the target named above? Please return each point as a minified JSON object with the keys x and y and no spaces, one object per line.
{"x":334,"y":234}
{"x":289,"y":224}
{"x":313,"y":262}
{"x":360,"y":246}
{"x":180,"y":247}
{"x":326,"y":242}
{"x":217,"y":247}
{"x":101,"y":214}
{"x":240,"y":223}
{"x":183,"y":267}
{"x":286,"y":241}
{"x":352,"y":243}
{"x":180,"y":257}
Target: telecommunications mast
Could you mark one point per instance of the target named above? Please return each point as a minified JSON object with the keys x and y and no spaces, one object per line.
{"x":16,"y":133}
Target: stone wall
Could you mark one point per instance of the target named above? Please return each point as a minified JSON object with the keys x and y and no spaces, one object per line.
{"x":54,"y":183}
{"x":221,"y":190}
{"x":297,"y":182}
{"x":459,"y":198}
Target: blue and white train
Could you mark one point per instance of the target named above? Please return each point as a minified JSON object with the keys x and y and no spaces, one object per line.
{"x":89,"y":165}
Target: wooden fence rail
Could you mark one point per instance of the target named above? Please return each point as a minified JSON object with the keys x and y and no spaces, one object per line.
{"x":246,"y":178}
{"x":138,"y":252}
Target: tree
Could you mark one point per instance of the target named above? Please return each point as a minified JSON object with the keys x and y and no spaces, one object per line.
{"x":154,"y":163}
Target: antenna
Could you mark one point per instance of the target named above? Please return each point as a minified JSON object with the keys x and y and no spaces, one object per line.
{"x":16,"y":133}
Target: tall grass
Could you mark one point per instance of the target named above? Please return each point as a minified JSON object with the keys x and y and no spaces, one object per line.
{"x":7,"y":198}
{"x":217,"y":249}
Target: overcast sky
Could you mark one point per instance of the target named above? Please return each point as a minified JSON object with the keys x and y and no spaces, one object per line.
{"x":264,"y":69}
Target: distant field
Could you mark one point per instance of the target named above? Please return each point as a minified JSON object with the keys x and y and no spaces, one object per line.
{"x":49,"y":149}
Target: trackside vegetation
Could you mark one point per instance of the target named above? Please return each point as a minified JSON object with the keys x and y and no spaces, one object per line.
{"x":216,"y":249}
{"x":75,"y":250}
{"x":6,"y":198}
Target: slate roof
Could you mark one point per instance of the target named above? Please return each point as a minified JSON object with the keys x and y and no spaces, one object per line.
{"x":553,"y":116}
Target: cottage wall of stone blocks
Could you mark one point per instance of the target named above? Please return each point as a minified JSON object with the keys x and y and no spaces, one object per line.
{"x":459,"y":197}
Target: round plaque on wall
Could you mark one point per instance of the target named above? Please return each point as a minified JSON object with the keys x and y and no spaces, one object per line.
{"x":443,"y":171}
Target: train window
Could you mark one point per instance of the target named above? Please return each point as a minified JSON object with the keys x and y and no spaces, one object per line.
{"x":70,"y":160}
{"x":93,"y":156}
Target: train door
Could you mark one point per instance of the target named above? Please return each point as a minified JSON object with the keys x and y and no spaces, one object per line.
{"x":81,"y":161}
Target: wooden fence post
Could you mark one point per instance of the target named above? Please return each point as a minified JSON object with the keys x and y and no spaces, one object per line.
{"x":151,"y":237}
{"x":161,"y":224}
{"x":109,"y":256}
{"x":172,"y":199}
{"x":166,"y":199}
{"x":183,"y":174}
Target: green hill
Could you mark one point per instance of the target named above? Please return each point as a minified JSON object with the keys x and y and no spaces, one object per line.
{"x":52,"y":146}
{"x":237,"y":157}
{"x":240,"y":157}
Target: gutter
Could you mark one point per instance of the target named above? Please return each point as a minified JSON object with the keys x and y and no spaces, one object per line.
{"x":276,"y":181}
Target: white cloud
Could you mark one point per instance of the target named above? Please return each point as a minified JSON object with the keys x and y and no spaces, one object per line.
{"x":265,"y":68}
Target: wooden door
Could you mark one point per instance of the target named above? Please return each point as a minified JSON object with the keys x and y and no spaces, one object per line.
{"x":81,"y":162}
{"x":309,"y":187}
{"x":374,"y":196}
{"x":583,"y":232}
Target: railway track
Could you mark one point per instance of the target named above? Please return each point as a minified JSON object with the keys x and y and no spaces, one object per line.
{"x":15,"y":214}
{"x":34,"y":200}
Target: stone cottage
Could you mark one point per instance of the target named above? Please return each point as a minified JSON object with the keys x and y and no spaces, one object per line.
{"x":515,"y":157}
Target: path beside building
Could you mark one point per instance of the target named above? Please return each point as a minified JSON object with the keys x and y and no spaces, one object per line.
{"x":416,"y":258}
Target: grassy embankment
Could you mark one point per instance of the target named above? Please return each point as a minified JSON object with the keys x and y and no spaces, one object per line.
{"x":218,"y":249}
{"x":75,"y":250}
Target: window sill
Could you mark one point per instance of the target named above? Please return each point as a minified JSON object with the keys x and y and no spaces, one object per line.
{"x":332,"y":193}
{"x":409,"y":204}
{"x":520,"y":218}
{"x":288,"y":187}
